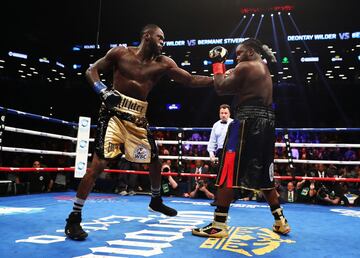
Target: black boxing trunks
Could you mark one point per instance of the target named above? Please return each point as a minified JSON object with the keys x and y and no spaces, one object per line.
{"x":125,"y":130}
{"x":248,"y":154}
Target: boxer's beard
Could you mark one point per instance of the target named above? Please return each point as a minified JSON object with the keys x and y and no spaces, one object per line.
{"x":154,"y":49}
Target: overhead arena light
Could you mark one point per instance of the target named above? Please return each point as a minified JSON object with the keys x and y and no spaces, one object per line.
{"x":185,"y":63}
{"x":207,"y":62}
{"x":336,"y":59}
{"x":44,"y":60}
{"x":60,"y":64}
{"x":309,"y":59}
{"x":18,"y":55}
{"x":76,"y":66}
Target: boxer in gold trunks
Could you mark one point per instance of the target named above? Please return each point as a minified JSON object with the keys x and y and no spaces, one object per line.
{"x":248,"y":151}
{"x":122,"y":126}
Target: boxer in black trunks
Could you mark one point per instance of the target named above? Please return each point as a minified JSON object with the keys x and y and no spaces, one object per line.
{"x":122,"y":126}
{"x":248,"y":152}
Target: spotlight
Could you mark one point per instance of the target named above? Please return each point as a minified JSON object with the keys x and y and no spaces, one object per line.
{"x":262,"y":15}
{"x":253,"y":14}
{"x":272,"y":15}
{"x":244,"y":16}
{"x":279,"y":13}
{"x":289,"y":13}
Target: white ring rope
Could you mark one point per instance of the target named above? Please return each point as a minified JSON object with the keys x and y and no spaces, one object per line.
{"x":302,"y":161}
{"x":319,"y":145}
{"x":25,"y":150}
{"x":277,"y":144}
{"x":170,"y":142}
{"x":183,"y":157}
{"x":183,"y":142}
{"x":309,"y":161}
{"x":38,"y":133}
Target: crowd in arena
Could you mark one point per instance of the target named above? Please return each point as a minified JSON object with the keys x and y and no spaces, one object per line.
{"x":304,"y":191}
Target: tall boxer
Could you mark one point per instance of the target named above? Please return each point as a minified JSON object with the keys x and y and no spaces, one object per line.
{"x":122,"y":126}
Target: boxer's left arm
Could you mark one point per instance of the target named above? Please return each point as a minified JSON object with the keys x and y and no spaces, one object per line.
{"x":229,"y":84}
{"x":185,"y":78}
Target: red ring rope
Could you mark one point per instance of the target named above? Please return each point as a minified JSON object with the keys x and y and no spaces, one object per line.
{"x":69,"y":169}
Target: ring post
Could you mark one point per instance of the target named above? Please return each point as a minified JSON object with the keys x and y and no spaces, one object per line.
{"x":2,"y":130}
{"x":180,"y":136}
{"x":289,"y":153}
{"x":82,"y":146}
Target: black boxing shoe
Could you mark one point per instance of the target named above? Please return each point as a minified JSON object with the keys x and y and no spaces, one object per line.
{"x":156,"y":205}
{"x":73,"y":228}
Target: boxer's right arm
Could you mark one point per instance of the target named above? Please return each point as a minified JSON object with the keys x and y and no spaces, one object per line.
{"x":110,"y":97}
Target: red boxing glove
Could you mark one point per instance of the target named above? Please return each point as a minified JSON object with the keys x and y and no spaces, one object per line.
{"x":218,"y":68}
{"x":218,"y":56}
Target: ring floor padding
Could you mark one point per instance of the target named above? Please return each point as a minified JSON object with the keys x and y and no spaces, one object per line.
{"x":32,"y":226}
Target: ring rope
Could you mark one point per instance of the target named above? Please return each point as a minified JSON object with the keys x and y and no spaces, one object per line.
{"x":277,"y":144}
{"x":38,"y":133}
{"x":137,"y":172}
{"x":328,"y":129}
{"x":38,"y":117}
{"x":55,"y":120}
{"x":35,"y":151}
{"x":73,"y":154}
{"x":306,"y":161}
{"x":169,"y":142}
{"x":319,"y":145}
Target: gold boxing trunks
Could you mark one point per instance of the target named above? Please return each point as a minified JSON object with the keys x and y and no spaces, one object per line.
{"x":124,"y":130}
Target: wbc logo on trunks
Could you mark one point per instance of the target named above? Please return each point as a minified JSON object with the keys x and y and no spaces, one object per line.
{"x":141,"y":152}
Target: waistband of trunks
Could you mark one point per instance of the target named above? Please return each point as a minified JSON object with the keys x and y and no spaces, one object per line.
{"x":132,"y":106}
{"x":137,"y":120}
{"x":242,"y":112}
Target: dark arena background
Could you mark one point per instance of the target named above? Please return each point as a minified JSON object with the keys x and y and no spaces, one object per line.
{"x":46,"y":47}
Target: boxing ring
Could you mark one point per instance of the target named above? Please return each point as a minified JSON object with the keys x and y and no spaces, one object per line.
{"x":121,"y":226}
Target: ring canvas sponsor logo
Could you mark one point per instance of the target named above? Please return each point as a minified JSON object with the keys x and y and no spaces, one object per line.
{"x":248,"y":241}
{"x":162,"y":232}
{"x":349,"y":213}
{"x":18,"y":210}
